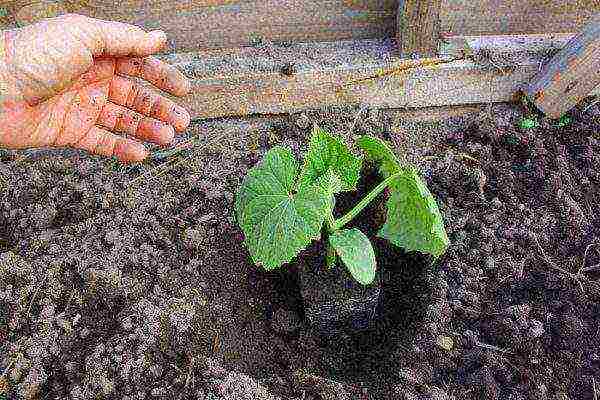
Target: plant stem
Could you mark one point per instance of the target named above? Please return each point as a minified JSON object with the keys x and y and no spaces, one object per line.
{"x":341,"y":222}
{"x":331,"y":257}
{"x":330,"y":223}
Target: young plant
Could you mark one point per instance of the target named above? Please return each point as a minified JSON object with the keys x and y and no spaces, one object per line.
{"x":282,"y":211}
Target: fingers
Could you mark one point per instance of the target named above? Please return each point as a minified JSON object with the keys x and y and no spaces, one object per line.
{"x":162,"y":75}
{"x":132,"y":95}
{"x":112,"y":38}
{"x":102,"y":142}
{"x":120,"y":119}
{"x":103,"y":69}
{"x":151,"y":69}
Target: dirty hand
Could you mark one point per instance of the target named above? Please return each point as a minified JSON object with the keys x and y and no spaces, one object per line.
{"x":66,"y":82}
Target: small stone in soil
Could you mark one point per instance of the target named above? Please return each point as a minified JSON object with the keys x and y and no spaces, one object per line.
{"x":193,"y":238}
{"x":445,"y":342}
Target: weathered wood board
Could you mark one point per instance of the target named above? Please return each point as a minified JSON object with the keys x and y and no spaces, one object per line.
{"x":249,"y":80}
{"x":570,"y":75}
{"x":503,"y":17}
{"x":204,"y":24}
{"x":418,"y":27}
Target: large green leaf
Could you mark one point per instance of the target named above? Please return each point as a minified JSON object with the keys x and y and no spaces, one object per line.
{"x":329,"y":164}
{"x":379,"y":152}
{"x":355,"y":250}
{"x":413,"y":219}
{"x":278,"y":223}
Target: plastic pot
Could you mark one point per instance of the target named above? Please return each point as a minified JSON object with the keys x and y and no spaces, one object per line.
{"x":334,"y":300}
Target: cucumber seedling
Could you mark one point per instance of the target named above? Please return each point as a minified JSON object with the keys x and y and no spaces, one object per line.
{"x":281,"y":210}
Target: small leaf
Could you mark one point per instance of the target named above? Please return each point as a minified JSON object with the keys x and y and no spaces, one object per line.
{"x":413,"y":219}
{"x":379,"y":152}
{"x":355,"y":250}
{"x":329,"y":164}
{"x":563,"y":121}
{"x":276,"y":222}
{"x":528,"y":123}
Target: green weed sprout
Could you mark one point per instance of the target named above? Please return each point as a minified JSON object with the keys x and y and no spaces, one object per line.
{"x":528,"y":123}
{"x":281,"y":210}
{"x":563,"y":121}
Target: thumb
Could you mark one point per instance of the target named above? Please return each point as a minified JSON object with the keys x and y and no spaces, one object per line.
{"x":119,"y":39}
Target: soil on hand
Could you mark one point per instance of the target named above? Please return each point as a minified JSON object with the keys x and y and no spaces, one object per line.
{"x":120,"y":283}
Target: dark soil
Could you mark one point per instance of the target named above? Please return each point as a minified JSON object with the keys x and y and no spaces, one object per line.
{"x":147,"y":292}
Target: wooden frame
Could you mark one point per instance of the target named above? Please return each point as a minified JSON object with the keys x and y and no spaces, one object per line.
{"x":194,"y":25}
{"x":471,"y":70}
{"x":320,"y":67}
{"x":418,"y":27}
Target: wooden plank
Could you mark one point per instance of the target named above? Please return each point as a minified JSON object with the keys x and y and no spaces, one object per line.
{"x":497,"y":17}
{"x":206,"y":24}
{"x":247,"y":81}
{"x":570,"y":75}
{"x":418,"y":27}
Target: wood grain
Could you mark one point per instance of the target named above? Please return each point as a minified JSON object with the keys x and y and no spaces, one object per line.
{"x":570,"y":75}
{"x":207,"y":24}
{"x":245,"y":81}
{"x":418,"y":27}
{"x":497,"y":17}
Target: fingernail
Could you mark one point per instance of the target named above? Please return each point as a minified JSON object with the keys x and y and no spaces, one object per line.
{"x":160,"y":36}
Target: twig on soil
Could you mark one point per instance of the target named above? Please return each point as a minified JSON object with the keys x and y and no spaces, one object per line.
{"x":190,"y":373}
{"x":166,"y":167}
{"x":486,"y":346}
{"x":576,"y":277}
{"x":594,"y":267}
{"x":10,"y":364}
{"x":594,"y":387}
{"x":35,"y":294}
{"x":583,"y":267}
{"x":593,"y":103}
{"x":491,"y":347}
{"x":216,"y":343}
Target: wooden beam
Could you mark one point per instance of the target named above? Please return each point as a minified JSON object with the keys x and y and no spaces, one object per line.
{"x":571,"y":74}
{"x":208,"y":24}
{"x":513,"y":17}
{"x":418,"y":27}
{"x":245,"y":81}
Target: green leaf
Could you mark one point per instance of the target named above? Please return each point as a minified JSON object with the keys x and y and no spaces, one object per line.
{"x":278,"y":223}
{"x":563,"y":121}
{"x":528,"y":123}
{"x":413,"y":219}
{"x":379,"y":152}
{"x":329,"y":164}
{"x":355,"y":250}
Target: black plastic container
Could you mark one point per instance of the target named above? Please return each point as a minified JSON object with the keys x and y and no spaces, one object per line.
{"x":334,"y":301}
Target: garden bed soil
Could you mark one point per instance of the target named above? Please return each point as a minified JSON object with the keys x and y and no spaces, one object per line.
{"x":146,"y":291}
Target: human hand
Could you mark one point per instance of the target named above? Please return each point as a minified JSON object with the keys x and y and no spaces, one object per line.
{"x":68,"y":84}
